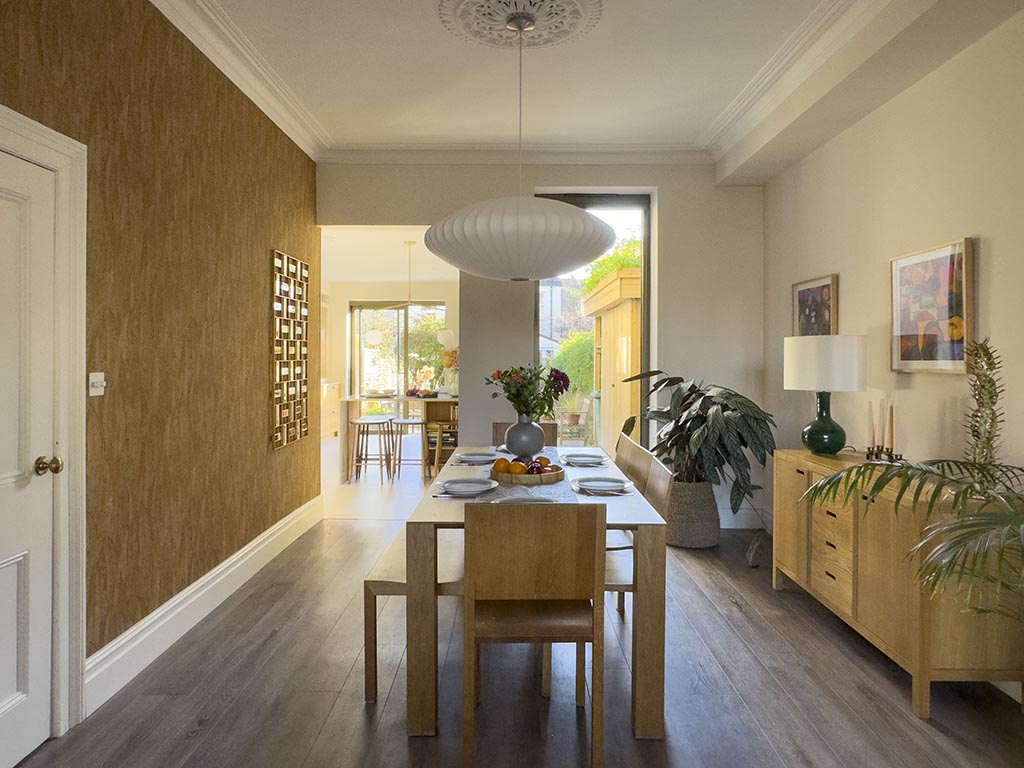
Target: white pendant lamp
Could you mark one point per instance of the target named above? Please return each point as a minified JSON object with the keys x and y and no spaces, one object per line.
{"x":524,"y":237}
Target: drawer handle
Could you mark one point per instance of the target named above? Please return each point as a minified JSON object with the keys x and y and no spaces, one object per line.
{"x":829,"y":544}
{"x":827,"y":573}
{"x":830,"y":513}
{"x":800,"y":472}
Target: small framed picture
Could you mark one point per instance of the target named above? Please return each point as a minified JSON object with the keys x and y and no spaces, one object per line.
{"x":816,"y":306}
{"x":932,"y":308}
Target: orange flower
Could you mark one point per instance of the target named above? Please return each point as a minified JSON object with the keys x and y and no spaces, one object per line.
{"x":496,"y":375}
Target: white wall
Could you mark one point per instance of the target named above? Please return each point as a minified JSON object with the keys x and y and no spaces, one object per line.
{"x":497,"y":331}
{"x":941,"y":161}
{"x":338,"y":297}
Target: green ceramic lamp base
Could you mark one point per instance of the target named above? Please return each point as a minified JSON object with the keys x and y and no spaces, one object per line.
{"x":824,"y":435}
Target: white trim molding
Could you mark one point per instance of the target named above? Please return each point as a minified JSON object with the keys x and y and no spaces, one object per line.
{"x":206,"y":24}
{"x":829,"y":27}
{"x":580,"y":154}
{"x":113,"y":666}
{"x":67,"y":159}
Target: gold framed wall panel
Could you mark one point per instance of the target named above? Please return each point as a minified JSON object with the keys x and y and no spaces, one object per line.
{"x":290,"y":323}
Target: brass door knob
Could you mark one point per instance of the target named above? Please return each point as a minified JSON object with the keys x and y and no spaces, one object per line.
{"x":44,"y":465}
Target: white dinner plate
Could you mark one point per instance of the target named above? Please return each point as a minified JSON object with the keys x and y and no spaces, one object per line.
{"x":602,"y":484}
{"x":476,"y":457}
{"x":583,"y":459}
{"x":524,"y":500}
{"x":467,"y":486}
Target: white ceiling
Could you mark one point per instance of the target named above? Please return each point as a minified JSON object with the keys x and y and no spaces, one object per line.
{"x":653,"y":74}
{"x":378,"y":254}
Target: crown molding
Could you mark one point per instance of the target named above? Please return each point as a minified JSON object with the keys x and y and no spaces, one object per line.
{"x":830,"y":26}
{"x":552,"y":154}
{"x":206,"y":24}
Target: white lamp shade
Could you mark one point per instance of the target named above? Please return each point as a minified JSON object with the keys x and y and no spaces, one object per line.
{"x":823,"y":363}
{"x":372,"y":337}
{"x":519,"y":238}
{"x":446,"y":338}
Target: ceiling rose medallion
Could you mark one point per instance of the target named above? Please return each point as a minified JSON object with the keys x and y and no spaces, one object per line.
{"x":484,"y":21}
{"x":523,"y":237}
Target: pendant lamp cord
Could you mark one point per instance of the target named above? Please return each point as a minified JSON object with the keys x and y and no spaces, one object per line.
{"x":520,"y":112}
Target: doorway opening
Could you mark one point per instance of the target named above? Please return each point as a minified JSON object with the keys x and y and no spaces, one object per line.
{"x":593,"y":324}
{"x":389,"y":352}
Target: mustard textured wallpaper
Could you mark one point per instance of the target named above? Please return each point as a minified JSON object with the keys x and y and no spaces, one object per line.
{"x":191,"y":187}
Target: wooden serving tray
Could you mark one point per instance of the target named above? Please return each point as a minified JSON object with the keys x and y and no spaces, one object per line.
{"x":548,"y":478}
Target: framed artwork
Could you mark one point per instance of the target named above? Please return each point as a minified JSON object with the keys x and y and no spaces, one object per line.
{"x":816,"y":306}
{"x":932,"y":308}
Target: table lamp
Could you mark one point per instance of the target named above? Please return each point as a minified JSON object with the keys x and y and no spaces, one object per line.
{"x":824,"y":364}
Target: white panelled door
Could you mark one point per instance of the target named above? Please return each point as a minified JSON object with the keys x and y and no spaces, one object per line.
{"x":26,"y":460}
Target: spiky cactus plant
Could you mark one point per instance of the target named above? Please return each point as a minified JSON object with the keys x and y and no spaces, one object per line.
{"x":983,"y":422}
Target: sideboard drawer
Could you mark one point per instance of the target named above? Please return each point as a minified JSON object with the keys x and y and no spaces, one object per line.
{"x":832,"y":572}
{"x":834,"y":523}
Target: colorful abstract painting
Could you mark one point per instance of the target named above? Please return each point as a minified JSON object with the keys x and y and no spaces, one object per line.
{"x":931,"y":308}
{"x":816,"y":306}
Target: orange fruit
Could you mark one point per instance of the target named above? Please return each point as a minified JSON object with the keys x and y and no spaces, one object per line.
{"x":544,"y":460}
{"x":554,"y":468}
{"x":501,"y":465}
{"x":515,"y":468}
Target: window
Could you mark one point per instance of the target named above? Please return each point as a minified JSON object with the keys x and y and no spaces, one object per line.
{"x":395,"y":346}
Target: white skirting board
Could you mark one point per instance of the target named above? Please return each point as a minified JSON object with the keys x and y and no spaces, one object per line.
{"x":113,"y":666}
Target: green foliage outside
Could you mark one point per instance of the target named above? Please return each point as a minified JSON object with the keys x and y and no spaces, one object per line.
{"x":424,"y":348}
{"x":625,"y":255}
{"x":575,"y":356}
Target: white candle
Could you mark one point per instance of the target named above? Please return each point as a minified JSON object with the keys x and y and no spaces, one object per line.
{"x":881,"y":422}
{"x":892,"y":426}
{"x":871,"y":425}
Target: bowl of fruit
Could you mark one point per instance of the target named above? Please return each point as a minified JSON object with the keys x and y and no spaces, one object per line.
{"x":539,"y":471}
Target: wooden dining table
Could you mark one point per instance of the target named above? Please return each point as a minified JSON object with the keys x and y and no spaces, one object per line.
{"x":630,"y":512}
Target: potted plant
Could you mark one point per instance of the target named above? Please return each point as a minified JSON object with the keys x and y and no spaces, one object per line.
{"x":532,"y":391}
{"x":571,"y":407}
{"x":976,"y":546}
{"x":705,"y":437}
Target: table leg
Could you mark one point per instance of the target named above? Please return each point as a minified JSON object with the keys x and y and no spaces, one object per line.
{"x":421,"y":628}
{"x":648,"y":705}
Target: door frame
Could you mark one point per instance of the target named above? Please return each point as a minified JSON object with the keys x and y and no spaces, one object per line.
{"x":66,"y":158}
{"x":617,"y":197}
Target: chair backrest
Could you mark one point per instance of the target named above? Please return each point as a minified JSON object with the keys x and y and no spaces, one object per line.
{"x":585,"y":410}
{"x":634,"y":460}
{"x":535,"y":551}
{"x":659,"y":487}
{"x":499,"y":428}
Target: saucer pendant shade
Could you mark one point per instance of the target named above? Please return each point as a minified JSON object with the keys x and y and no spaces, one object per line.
{"x":519,"y":238}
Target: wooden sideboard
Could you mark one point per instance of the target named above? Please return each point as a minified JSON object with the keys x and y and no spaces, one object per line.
{"x":854,"y":559}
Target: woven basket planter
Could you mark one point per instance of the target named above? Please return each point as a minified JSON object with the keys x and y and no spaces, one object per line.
{"x":692,"y":516}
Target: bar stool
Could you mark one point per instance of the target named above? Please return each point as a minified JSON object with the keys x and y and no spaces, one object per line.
{"x":402,"y":426}
{"x":360,"y":456}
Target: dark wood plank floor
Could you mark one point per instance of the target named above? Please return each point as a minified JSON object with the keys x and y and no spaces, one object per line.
{"x":754,"y":678}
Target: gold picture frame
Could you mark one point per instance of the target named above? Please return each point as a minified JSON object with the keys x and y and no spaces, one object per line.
{"x":816,"y":306}
{"x":931,"y":308}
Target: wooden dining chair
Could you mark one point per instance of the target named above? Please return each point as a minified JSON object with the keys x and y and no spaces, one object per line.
{"x":658,"y":489}
{"x":498,"y":429}
{"x":535,"y":573}
{"x":634,"y":460}
{"x":620,"y":571}
{"x":388,"y":577}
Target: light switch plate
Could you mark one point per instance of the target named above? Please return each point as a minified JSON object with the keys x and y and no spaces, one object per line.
{"x":97,"y":384}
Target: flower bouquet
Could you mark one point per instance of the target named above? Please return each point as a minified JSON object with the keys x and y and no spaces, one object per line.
{"x":532,"y":391}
